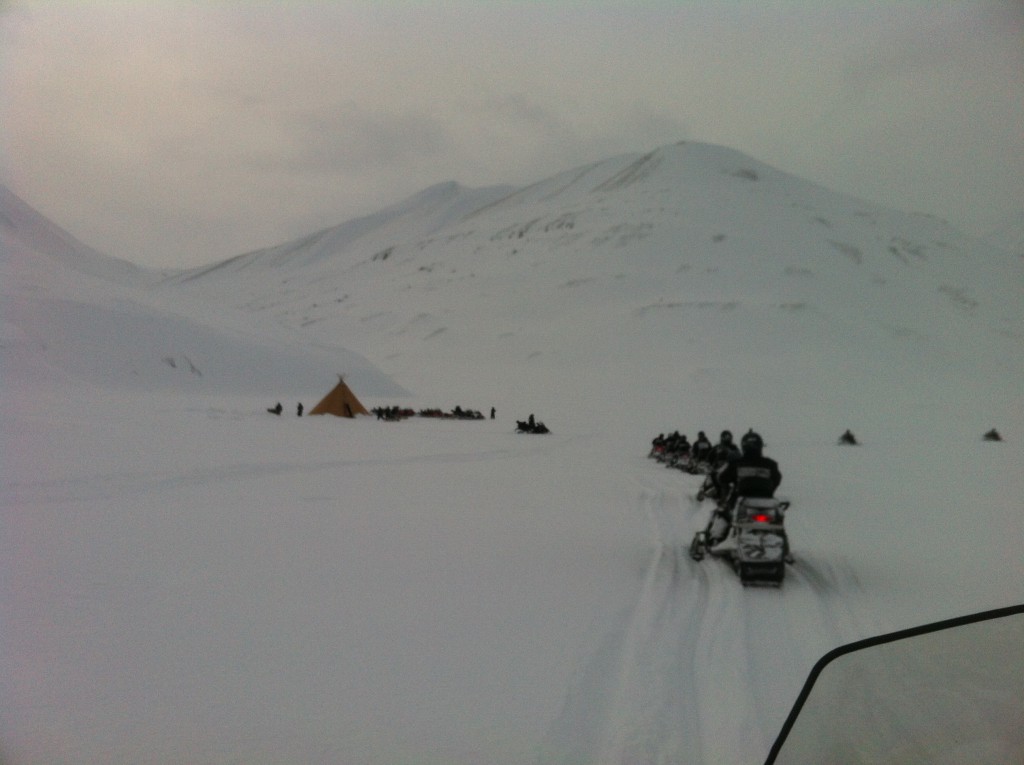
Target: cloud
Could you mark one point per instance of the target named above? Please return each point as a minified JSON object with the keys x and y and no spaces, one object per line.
{"x":353,"y":139}
{"x":231,"y":126}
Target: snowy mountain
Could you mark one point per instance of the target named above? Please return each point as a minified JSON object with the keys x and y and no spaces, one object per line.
{"x":677,"y":247}
{"x":187,"y":578}
{"x":418,"y":217}
{"x":73,"y":313}
{"x":23,"y":230}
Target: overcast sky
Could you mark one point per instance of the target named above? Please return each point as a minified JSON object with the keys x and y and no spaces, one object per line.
{"x":175,"y":134}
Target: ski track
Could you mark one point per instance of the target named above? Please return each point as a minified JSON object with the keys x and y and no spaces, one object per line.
{"x":695,"y":633}
{"x":651,"y":715}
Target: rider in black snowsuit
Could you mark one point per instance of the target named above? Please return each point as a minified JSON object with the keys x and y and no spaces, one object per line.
{"x":701,"y":449}
{"x":725,"y":450}
{"x":723,"y":454}
{"x":752,"y":475}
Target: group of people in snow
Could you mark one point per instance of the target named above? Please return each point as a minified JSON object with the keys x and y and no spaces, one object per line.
{"x":401,"y":413}
{"x":731,"y":471}
{"x":675,"y":450}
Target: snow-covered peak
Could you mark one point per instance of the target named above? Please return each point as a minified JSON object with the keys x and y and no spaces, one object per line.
{"x":27,"y":233}
{"x":419,"y":216}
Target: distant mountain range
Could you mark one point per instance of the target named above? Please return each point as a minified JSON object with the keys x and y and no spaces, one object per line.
{"x":690,"y":268}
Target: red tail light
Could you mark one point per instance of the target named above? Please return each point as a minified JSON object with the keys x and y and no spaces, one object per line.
{"x":761,"y":518}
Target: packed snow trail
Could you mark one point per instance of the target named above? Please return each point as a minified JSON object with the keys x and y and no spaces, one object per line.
{"x":633,"y":701}
{"x":651,"y":716}
{"x":695,"y":642}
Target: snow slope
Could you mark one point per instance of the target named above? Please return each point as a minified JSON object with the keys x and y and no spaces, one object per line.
{"x":189,"y":579}
{"x":1009,"y":235}
{"x":72,"y":313}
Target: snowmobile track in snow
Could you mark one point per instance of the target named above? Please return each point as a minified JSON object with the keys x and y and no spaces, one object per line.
{"x":694,"y":633}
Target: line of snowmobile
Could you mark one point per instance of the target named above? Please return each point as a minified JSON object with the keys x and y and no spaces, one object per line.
{"x":756,"y":545}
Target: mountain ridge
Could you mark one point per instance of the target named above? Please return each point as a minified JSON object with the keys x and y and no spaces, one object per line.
{"x":27,"y":233}
{"x":671,"y":260}
{"x":677,"y":215}
{"x":421,"y":214}
{"x":694,"y":263}
{"x":72,"y":314}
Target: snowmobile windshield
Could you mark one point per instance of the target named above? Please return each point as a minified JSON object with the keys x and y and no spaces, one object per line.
{"x":950,"y":692}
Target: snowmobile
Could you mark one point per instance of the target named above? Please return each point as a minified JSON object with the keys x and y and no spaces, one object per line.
{"x":756,"y":545}
{"x":663,"y":454}
{"x":531,"y":427}
{"x":691,"y":465}
{"x":709,"y":489}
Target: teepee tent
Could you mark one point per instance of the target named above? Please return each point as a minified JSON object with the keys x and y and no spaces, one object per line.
{"x":341,"y":402}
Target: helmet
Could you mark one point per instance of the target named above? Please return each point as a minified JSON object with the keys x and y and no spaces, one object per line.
{"x":752,"y":444}
{"x":726,"y":437}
